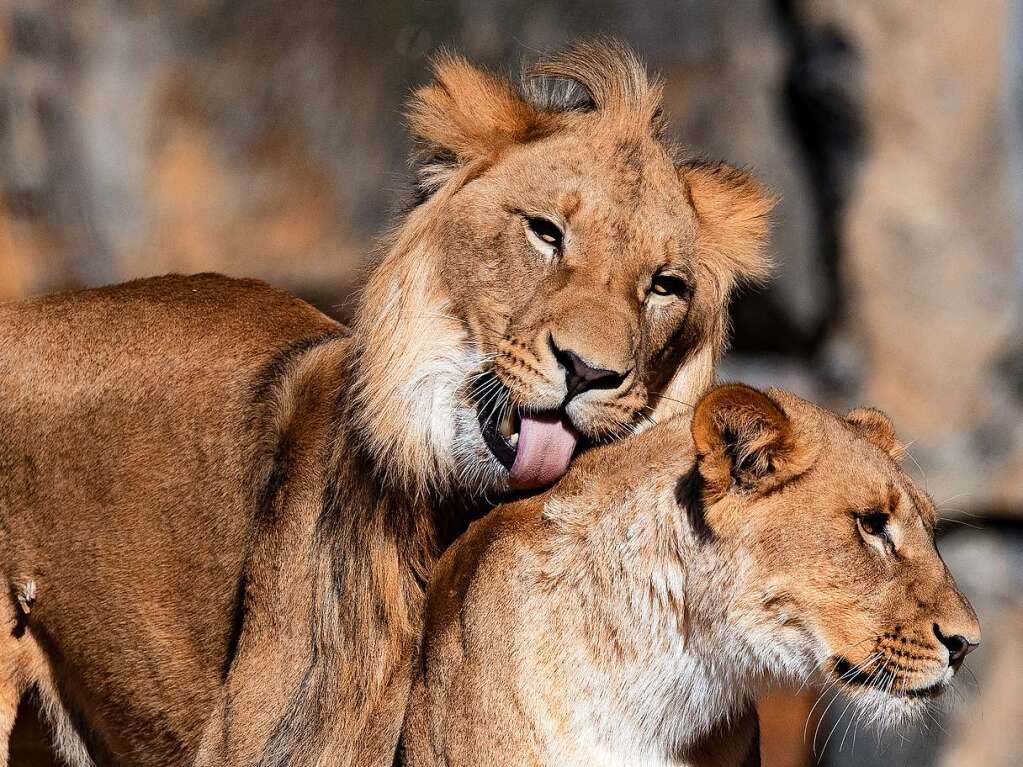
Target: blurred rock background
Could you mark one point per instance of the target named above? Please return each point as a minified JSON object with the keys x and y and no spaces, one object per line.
{"x":264,"y":138}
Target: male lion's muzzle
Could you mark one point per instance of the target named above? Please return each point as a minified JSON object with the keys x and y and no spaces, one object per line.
{"x":556,"y":395}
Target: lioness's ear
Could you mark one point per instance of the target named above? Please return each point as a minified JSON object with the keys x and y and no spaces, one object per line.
{"x":744,"y":441}
{"x":732,"y":225}
{"x":877,"y":427}
{"x":465,"y":115}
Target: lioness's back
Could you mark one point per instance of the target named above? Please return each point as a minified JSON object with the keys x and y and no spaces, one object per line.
{"x":127,"y":435}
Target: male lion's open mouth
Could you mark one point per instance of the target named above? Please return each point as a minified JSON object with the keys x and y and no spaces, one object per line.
{"x":536,"y":448}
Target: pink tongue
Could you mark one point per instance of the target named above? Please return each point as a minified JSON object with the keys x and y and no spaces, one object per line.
{"x":546,"y":444}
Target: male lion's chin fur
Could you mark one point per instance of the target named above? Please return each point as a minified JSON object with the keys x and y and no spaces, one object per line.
{"x":478,"y":474}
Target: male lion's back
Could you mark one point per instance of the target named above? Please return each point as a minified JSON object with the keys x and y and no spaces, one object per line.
{"x":128,"y":433}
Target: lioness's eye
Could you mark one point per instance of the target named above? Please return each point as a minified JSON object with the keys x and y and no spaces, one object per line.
{"x":544,"y":235}
{"x":873,"y":523}
{"x":667,"y":285}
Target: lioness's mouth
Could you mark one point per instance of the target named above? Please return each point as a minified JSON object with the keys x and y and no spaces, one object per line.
{"x":880,"y":681}
{"x":535,"y":447}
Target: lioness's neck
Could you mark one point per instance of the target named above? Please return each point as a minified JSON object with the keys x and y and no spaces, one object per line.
{"x":650,"y":595}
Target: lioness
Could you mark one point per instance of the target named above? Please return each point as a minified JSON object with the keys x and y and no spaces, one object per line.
{"x":630,"y":615}
{"x":219,"y":508}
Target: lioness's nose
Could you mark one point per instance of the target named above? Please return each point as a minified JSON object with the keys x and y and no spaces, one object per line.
{"x":958,"y":647}
{"x":581,"y":376}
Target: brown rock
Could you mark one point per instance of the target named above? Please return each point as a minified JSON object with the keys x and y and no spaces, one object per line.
{"x":929,"y":246}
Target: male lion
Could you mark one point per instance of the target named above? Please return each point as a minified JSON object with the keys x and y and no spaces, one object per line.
{"x":219,"y":508}
{"x":630,"y":615}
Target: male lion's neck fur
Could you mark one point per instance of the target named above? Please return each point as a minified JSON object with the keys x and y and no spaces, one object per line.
{"x":412,"y":357}
{"x":370,"y":549}
{"x":389,"y":482}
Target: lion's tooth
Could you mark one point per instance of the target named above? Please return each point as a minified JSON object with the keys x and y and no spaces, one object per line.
{"x":508,"y":424}
{"x":513,"y":440}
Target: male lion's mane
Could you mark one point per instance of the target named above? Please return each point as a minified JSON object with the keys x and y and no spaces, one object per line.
{"x":387,"y":477}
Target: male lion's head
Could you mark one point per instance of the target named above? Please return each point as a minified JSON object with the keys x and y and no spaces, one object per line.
{"x":562,"y":276}
{"x":829,"y":549}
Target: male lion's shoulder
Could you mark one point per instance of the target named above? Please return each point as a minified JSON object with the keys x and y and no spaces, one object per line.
{"x":172,"y":312}
{"x":190,"y":294}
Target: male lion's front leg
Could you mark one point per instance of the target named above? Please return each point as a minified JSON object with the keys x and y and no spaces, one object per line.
{"x":256,"y":720}
{"x":374,"y":741}
{"x":263,"y":716}
{"x":322,"y":670}
{"x":252,"y":703}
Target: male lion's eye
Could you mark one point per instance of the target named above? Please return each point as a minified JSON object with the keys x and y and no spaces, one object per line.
{"x":544,"y":235}
{"x":667,"y":285}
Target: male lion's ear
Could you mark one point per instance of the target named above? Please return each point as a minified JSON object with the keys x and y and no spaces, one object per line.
{"x":731,"y":211}
{"x":466,"y":115}
{"x":877,"y":427}
{"x":744,"y":441}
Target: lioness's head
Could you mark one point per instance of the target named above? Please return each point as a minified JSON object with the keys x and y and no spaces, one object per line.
{"x":832,"y":545}
{"x":562,"y":275}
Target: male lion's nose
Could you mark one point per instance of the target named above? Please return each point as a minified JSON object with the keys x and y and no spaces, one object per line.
{"x":958,"y":647}
{"x":580,"y":376}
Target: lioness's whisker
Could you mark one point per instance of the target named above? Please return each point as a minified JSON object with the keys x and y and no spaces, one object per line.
{"x":671,"y":399}
{"x":973,"y":676}
{"x":836,"y":680}
{"x":870,"y":680}
{"x":953,"y":521}
{"x":848,"y":726}
{"x":838,"y":721}
{"x":937,"y":722}
{"x":813,"y":744}
{"x":923,"y":474}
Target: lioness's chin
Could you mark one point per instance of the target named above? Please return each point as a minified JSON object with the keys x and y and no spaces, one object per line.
{"x":886,"y":710}
{"x":882,"y":701}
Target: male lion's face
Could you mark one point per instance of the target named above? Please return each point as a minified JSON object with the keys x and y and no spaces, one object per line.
{"x":573,"y":263}
{"x":587,"y":271}
{"x":838,"y":542}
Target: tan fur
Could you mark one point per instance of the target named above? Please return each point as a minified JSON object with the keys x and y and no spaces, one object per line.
{"x":231,"y":505}
{"x":632,"y":614}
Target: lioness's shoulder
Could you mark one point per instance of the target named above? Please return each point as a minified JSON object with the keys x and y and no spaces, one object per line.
{"x":489,"y":546}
